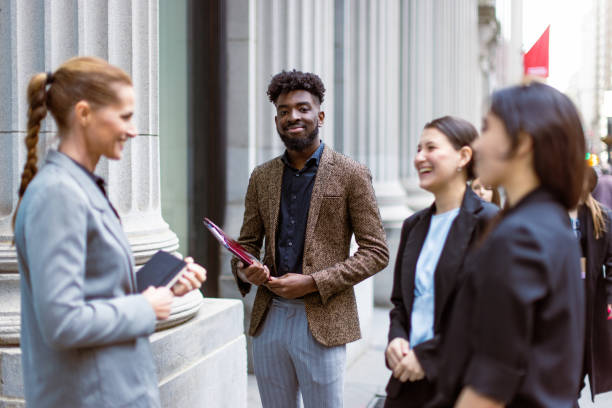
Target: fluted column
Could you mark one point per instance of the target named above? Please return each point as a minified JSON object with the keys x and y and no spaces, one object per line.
{"x":38,"y":36}
{"x":440,"y":74}
{"x":368,"y":120}
{"x":370,"y":115}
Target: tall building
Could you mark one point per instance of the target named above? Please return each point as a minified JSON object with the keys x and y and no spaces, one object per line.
{"x":603,"y":63}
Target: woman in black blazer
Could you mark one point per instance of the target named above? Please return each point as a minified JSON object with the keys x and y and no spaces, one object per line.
{"x":516,"y":334}
{"x":594,"y":235}
{"x":430,"y":257}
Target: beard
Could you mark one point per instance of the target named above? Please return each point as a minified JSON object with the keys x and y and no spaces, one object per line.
{"x":299,"y":144}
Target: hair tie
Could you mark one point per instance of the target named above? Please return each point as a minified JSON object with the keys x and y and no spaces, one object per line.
{"x":49,"y":78}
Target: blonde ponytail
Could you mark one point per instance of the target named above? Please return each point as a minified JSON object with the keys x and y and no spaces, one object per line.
{"x":37,"y":102}
{"x":597,"y":213}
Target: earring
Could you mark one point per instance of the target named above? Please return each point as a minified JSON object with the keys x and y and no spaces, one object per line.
{"x":459,"y":169}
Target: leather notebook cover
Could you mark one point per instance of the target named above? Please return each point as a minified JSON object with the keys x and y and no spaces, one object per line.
{"x":163,"y":269}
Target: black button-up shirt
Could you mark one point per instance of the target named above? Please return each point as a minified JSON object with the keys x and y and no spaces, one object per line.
{"x":296,"y":192}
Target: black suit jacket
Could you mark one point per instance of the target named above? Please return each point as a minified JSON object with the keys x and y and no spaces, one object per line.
{"x":516,"y":331}
{"x":470,"y":222}
{"x":598,"y":285}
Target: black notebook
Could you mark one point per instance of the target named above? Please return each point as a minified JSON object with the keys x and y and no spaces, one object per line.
{"x":163,"y":269}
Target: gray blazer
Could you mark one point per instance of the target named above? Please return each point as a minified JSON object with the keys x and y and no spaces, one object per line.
{"x":84,"y":329}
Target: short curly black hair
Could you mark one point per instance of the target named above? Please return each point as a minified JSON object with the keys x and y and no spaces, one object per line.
{"x":287,"y":81}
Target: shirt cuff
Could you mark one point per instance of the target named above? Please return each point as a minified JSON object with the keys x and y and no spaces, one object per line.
{"x":492,"y":378}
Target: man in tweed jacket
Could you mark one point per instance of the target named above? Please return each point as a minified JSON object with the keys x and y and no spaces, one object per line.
{"x":307,"y":204}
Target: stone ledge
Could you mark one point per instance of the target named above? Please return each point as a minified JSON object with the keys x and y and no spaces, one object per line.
{"x":199,"y":363}
{"x":11,"y":380}
{"x":218,"y":322}
{"x":218,"y":380}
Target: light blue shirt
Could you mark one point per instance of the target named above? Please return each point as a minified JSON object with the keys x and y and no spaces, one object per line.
{"x":422,"y":318}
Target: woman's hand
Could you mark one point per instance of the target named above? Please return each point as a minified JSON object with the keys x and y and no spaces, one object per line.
{"x":396,"y":351}
{"x":409,"y":368}
{"x":160,"y":300}
{"x":191,"y":278}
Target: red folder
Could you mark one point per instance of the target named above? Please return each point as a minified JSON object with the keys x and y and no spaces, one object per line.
{"x":235,"y":248}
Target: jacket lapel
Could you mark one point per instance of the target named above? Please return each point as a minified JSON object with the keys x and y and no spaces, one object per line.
{"x":414,"y":244}
{"x":324,"y":173}
{"x":100,"y":203}
{"x":113,"y":225}
{"x":275,"y":181}
{"x":454,"y":251}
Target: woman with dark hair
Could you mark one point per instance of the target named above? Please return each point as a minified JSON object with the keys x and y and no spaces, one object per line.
{"x":516,"y":334}
{"x":84,"y":326}
{"x":430,"y":257}
{"x":591,"y":222}
{"x":487,"y":193}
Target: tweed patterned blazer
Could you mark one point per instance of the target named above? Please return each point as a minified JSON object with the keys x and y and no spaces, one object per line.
{"x":342,"y":204}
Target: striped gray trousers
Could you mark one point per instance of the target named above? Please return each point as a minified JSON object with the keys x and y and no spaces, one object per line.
{"x":288,"y":361}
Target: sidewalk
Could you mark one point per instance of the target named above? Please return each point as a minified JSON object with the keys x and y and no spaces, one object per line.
{"x":367,"y":376}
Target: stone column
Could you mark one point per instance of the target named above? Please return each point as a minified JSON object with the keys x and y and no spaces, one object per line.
{"x":402,"y":64}
{"x":37,"y":36}
{"x":440,"y":75}
{"x":40,"y":39}
{"x":368,"y":108}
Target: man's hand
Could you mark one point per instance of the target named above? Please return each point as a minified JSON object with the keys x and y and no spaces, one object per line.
{"x":255,"y":274}
{"x":409,"y":368}
{"x":292,"y":285}
{"x":397,"y":349}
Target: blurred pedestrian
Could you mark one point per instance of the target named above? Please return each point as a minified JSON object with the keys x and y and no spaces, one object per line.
{"x":603,"y":190}
{"x":432,"y":247}
{"x":84,"y":327}
{"x":487,"y":193}
{"x":591,"y":221}
{"x":516,"y":334}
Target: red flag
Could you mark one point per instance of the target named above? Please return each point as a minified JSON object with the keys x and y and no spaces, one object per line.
{"x":536,"y":59}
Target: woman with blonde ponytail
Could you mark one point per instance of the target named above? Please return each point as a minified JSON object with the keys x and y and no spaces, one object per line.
{"x":591,"y":222}
{"x":84,"y":326}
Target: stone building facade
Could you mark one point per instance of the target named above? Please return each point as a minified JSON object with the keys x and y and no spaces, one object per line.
{"x":201,"y":359}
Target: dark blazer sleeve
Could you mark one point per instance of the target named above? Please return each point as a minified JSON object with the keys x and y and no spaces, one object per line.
{"x":372,"y":254}
{"x":608,"y":257}
{"x":501,"y":332}
{"x":399,"y":319}
{"x":252,"y":231}
{"x":427,"y":354}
